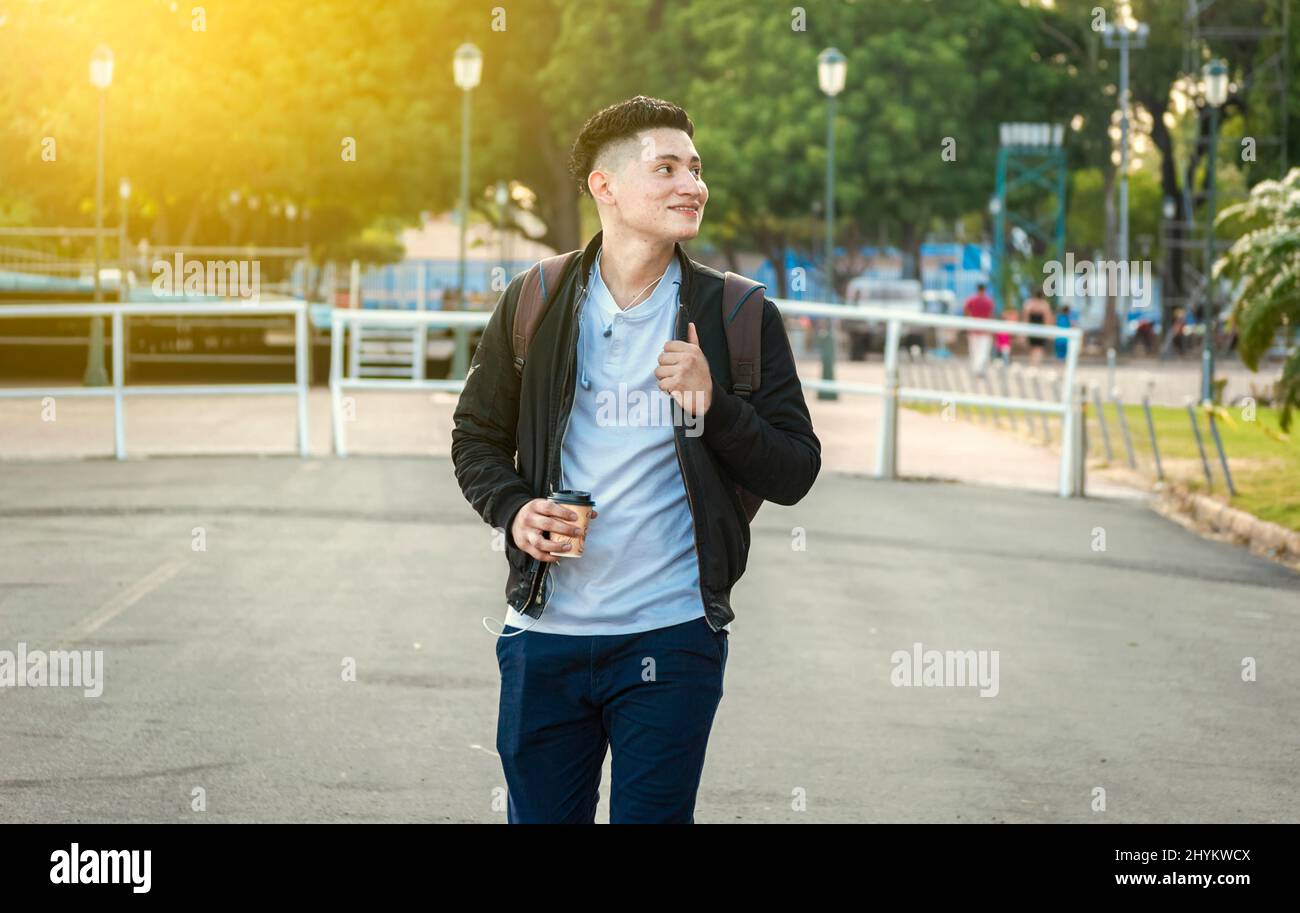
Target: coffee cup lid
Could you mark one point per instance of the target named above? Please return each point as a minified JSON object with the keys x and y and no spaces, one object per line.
{"x":571,"y":496}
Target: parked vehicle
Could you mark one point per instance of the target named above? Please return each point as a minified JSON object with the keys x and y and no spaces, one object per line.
{"x":902,"y":295}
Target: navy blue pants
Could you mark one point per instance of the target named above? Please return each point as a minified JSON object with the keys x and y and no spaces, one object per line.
{"x":650,"y":697}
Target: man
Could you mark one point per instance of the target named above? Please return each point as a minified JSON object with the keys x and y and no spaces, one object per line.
{"x":979,"y":341}
{"x":625,"y":646}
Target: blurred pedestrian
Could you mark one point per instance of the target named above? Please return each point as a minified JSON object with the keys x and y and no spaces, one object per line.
{"x":1146,"y":334}
{"x":979,"y":342}
{"x":1004,"y":339}
{"x":1062,"y":321}
{"x":1177,"y":329}
{"x":1038,"y":312}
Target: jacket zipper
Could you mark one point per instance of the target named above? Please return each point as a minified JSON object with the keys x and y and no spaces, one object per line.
{"x":690,"y":503}
{"x":535,"y":594}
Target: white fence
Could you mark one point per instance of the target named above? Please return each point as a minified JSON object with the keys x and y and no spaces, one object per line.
{"x":1070,"y":479}
{"x":416,"y":323}
{"x":391,"y":324}
{"x":119,"y":390}
{"x":1068,"y":406}
{"x":345,"y":372}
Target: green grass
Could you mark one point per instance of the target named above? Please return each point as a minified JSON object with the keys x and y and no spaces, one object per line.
{"x":1265,"y":469}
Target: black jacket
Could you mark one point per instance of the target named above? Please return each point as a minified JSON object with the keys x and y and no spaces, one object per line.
{"x":766,"y":444}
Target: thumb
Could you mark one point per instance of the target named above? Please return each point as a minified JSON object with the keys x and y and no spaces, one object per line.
{"x":691,"y":336}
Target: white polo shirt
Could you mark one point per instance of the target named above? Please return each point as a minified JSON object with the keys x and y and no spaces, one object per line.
{"x":639,"y":570}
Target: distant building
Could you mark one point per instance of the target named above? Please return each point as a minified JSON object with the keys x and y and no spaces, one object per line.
{"x":492,"y":259}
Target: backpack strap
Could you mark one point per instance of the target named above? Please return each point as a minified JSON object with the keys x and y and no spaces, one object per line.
{"x":742,"y":318}
{"x":540,"y":281}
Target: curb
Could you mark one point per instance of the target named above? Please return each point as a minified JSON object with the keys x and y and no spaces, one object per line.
{"x":1244,"y":528}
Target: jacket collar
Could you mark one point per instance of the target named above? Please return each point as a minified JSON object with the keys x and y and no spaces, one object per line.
{"x":589,"y":257}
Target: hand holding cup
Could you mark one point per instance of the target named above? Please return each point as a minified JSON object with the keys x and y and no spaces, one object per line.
{"x":543,"y":517}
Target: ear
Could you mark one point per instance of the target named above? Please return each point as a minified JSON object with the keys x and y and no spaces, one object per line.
{"x":598,"y":185}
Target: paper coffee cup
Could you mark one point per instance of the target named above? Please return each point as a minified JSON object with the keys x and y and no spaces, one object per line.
{"x":580,"y":503}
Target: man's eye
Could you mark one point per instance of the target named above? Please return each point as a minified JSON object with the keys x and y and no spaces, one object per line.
{"x":662,"y":167}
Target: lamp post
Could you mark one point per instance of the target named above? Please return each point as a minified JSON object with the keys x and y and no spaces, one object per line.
{"x":1125,"y":33}
{"x":832,"y":67}
{"x":101,"y":77}
{"x":290,"y":226}
{"x":467,"y":68}
{"x":502,"y":200}
{"x":999,"y":242}
{"x":1216,"y":93}
{"x":1170,"y":234}
{"x":124,"y":195}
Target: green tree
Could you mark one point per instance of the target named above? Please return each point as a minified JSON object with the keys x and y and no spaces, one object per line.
{"x":221,"y":121}
{"x":1264,"y":262}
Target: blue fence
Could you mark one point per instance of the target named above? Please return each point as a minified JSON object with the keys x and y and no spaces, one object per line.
{"x":398,"y":285}
{"x":957,"y":268}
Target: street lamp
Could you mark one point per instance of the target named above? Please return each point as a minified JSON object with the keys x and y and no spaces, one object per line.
{"x":502,"y":200}
{"x":1124,"y":34}
{"x":101,"y":77}
{"x":832,"y":68}
{"x":467,"y":67}
{"x":1215,"y":87}
{"x":124,"y":194}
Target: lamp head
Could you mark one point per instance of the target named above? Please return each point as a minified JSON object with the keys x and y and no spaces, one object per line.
{"x":1215,"y":83}
{"x":101,"y":67}
{"x":467,"y":66}
{"x":832,"y":67}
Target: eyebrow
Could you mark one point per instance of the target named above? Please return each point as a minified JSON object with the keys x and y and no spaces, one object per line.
{"x":677,"y":158}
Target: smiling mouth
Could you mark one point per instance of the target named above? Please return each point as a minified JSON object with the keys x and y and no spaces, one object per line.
{"x":693,"y":210}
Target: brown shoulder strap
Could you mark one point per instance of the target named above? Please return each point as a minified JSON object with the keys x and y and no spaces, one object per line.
{"x":540,"y":281}
{"x":742,"y":317}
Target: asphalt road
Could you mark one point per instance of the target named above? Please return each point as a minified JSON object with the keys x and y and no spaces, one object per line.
{"x":223,"y":665}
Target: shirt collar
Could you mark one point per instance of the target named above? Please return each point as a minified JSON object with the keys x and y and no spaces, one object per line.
{"x":665,"y":291}
{"x":684,"y":262}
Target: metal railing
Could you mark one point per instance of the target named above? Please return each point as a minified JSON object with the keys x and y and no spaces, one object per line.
{"x":892,"y":391}
{"x":391,"y":323}
{"x":1067,"y":404}
{"x":118,"y":389}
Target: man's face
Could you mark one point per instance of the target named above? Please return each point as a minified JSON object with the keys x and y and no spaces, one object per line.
{"x":652,"y":185}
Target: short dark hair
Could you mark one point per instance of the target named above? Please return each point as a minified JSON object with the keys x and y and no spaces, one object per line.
{"x":980,"y":287}
{"x":621,"y":121}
